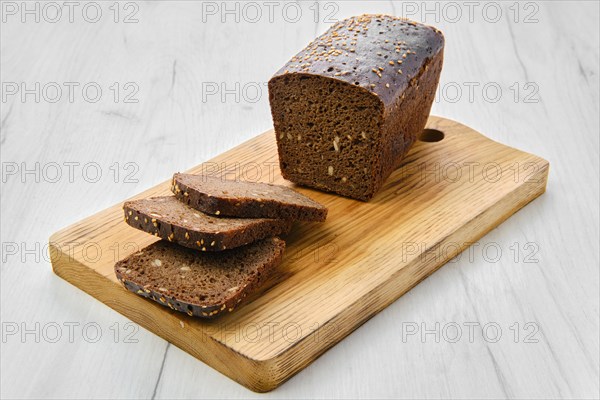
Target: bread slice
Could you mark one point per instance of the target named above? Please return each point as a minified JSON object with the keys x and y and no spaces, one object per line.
{"x":170,"y":219}
{"x":199,"y":284}
{"x":245,"y":199}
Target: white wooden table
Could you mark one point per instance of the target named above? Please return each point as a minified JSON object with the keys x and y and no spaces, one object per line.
{"x":183,"y":81}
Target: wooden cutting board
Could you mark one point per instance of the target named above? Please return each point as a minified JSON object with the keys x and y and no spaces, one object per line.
{"x":335,"y":275}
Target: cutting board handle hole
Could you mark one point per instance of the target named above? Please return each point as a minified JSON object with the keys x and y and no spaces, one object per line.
{"x":431,"y":135}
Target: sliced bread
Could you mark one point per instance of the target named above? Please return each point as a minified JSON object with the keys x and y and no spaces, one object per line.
{"x":170,"y":219}
{"x":199,"y":284}
{"x":245,"y":199}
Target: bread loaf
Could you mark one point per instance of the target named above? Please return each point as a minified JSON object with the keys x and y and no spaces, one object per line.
{"x":347,"y":108}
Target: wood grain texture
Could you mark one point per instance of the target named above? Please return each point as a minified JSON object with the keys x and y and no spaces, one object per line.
{"x":336,"y":275}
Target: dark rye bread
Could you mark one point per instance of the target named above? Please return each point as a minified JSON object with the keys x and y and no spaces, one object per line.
{"x":347,"y":108}
{"x":199,"y":284}
{"x":168,"y":218}
{"x":223,"y":197}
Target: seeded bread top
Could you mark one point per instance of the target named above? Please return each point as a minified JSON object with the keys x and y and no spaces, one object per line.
{"x":380,"y":53}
